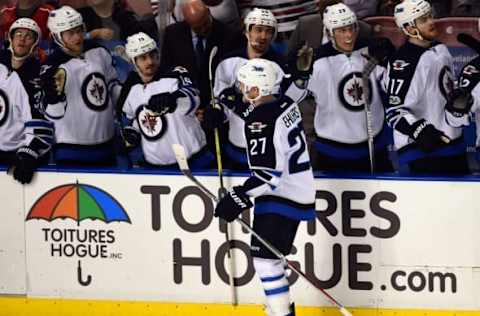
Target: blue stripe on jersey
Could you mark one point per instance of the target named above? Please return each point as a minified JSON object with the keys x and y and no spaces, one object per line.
{"x":274,"y":278}
{"x":353,"y":152}
{"x":190,"y":95}
{"x":456,"y":147}
{"x":39,"y":123}
{"x":299,"y":214}
{"x":279,"y":290}
{"x":235,"y":153}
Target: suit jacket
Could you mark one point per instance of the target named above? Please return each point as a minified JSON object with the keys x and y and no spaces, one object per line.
{"x":178,"y":50}
{"x":310,"y":29}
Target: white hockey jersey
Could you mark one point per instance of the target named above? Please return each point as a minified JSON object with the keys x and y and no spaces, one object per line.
{"x":419,"y":81}
{"x":158,"y":133}
{"x":14,"y":111}
{"x":340,"y":98}
{"x":86,"y":117}
{"x":282,"y":178}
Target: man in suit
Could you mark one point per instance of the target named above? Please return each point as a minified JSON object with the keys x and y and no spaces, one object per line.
{"x":189,"y":43}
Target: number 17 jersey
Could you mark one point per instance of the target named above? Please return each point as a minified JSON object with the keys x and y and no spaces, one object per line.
{"x":282,"y":178}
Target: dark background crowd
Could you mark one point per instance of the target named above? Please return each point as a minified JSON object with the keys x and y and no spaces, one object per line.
{"x":219,"y":23}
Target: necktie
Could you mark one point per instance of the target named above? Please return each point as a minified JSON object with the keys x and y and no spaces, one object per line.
{"x":200,"y":51}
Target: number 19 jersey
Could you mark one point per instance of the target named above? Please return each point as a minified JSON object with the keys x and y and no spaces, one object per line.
{"x":282,"y":178}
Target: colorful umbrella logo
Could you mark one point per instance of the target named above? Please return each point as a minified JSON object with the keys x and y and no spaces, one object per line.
{"x":78,"y":201}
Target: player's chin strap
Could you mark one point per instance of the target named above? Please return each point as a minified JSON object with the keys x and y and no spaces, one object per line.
{"x":181,"y":158}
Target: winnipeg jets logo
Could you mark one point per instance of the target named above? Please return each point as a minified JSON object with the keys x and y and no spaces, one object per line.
{"x":351,"y":92}
{"x":446,"y":81}
{"x":399,"y":65}
{"x":95,"y":92}
{"x":256,"y":127}
{"x":4,"y":106}
{"x":151,"y":125}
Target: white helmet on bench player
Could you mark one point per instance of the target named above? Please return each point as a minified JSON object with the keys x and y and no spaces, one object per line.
{"x":257,"y":78}
{"x":24,"y":23}
{"x":63,"y":19}
{"x":337,"y":16}
{"x":408,"y":11}
{"x":139,"y":44}
{"x":261,"y":17}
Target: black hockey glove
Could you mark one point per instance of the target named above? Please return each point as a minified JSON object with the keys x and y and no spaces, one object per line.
{"x":164,"y":103}
{"x":231,"y":98}
{"x":52,"y":82}
{"x":213,"y":117}
{"x":382,"y":49}
{"x":460,"y":101}
{"x":300,"y":63}
{"x":131,"y":137}
{"x":232,"y":204}
{"x":24,"y":165}
{"x":428,"y":137}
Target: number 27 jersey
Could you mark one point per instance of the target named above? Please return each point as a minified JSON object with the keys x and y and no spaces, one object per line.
{"x":282,"y":178}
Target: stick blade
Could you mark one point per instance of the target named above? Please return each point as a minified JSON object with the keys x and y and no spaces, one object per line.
{"x":181,"y":157}
{"x":345,"y":312}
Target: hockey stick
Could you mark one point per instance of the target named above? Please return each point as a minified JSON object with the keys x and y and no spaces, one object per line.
{"x":231,"y":281}
{"x":469,"y":41}
{"x":367,"y":70}
{"x":183,"y":165}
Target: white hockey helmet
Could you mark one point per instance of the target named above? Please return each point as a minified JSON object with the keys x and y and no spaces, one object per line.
{"x":259,"y":73}
{"x":337,"y":16}
{"x":261,"y":17}
{"x":63,"y":19}
{"x":408,"y":11}
{"x":24,"y":23}
{"x":139,"y":44}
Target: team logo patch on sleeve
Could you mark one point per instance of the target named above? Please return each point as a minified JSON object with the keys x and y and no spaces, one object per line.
{"x":4,"y":107}
{"x":95,"y":92}
{"x":351,"y":92}
{"x":152,"y":125}
{"x":446,"y":81}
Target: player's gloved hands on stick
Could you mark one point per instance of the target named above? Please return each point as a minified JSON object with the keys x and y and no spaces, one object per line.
{"x":24,"y":165}
{"x":233,"y":204}
{"x":213,"y":117}
{"x":381,"y":48}
{"x":164,"y":103}
{"x":428,"y":137}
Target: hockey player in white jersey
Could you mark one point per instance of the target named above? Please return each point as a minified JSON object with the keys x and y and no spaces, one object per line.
{"x":420,"y":80}
{"x":159,"y":109}
{"x":282,"y":181}
{"x":336,"y":85}
{"x":260,"y":30}
{"x":26,"y":135}
{"x":81,"y":87}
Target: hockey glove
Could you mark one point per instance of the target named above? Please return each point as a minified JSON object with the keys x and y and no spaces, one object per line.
{"x":427,"y":137}
{"x":459,"y":102}
{"x":131,"y":137}
{"x":53,"y":84}
{"x":213,"y":117}
{"x":232,"y":204}
{"x":301,"y":63}
{"x":230,"y":98}
{"x":164,"y":103}
{"x":382,"y":49}
{"x":24,"y":165}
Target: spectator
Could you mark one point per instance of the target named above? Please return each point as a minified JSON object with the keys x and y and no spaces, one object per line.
{"x":34,"y":9}
{"x":362,"y":8}
{"x":159,"y":109}
{"x":189,"y":43}
{"x":466,"y":8}
{"x":420,"y":81}
{"x":109,"y":20}
{"x":386,"y":7}
{"x":79,"y":74}
{"x":26,"y":137}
